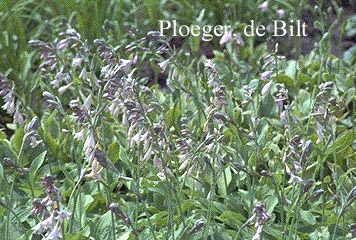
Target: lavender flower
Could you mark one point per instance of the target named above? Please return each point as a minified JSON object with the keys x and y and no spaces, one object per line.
{"x":264,"y":6}
{"x":38,"y":207}
{"x":62,"y":44}
{"x":95,"y":170}
{"x":352,"y":227}
{"x":47,"y":54}
{"x":18,"y":118}
{"x":89,"y":146}
{"x":239,"y":39}
{"x":50,"y":208}
{"x":163,"y":65}
{"x":266,"y":75}
{"x":281,"y":13}
{"x":126,"y":64}
{"x":5,"y":85}
{"x":64,"y":88}
{"x":9,"y":100}
{"x":226,"y":38}
{"x":45,"y":224}
{"x":260,"y":216}
{"x":77,"y":61}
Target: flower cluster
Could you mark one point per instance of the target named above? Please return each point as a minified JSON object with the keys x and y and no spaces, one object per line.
{"x":50,"y":210}
{"x":218,"y":88}
{"x":11,"y":105}
{"x":260,"y":216}
{"x":325,"y":106}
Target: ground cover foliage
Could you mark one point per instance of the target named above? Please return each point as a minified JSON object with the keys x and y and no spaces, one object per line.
{"x":110,"y":131}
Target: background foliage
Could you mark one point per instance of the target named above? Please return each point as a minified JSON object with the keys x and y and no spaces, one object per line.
{"x":109,"y":131}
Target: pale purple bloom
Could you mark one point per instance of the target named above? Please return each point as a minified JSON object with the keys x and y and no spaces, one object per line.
{"x":280,"y":57}
{"x":126,"y":64}
{"x":148,"y":154}
{"x":80,"y":135}
{"x":226,"y":38}
{"x":60,"y":77}
{"x":89,"y":146}
{"x":284,"y":117}
{"x":239,"y":39}
{"x":83,"y":74}
{"x":64,"y":88}
{"x":320,"y":131}
{"x":270,"y":28}
{"x":88,"y":101}
{"x":77,"y":61}
{"x":62,"y":215}
{"x":9,"y":100}
{"x":163,"y":65}
{"x":266,"y":87}
{"x":42,"y":226}
{"x":33,"y":141}
{"x":18,"y":118}
{"x":209,"y":64}
{"x":281,"y":13}
{"x":62,"y":44}
{"x":54,"y":234}
{"x":263,"y":6}
{"x":295,"y":179}
{"x":266,"y":75}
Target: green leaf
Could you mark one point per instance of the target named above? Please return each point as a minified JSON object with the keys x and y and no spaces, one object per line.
{"x":125,"y":236}
{"x":152,"y":7}
{"x":268,"y":107}
{"x":350,"y":27}
{"x":233,"y":219}
{"x":13,"y":230}
{"x":286,"y":80}
{"x":101,"y":227}
{"x":271,"y":203}
{"x":304,"y":102}
{"x":125,"y":157}
{"x":27,"y":235}
{"x":74,"y":236}
{"x":320,"y":234}
{"x":172,"y":116}
{"x":291,"y":69}
{"x":17,"y":138}
{"x":2,"y":135}
{"x":345,"y":140}
{"x":83,"y":203}
{"x":6,"y":150}
{"x":114,"y":152}
{"x":224,"y":180}
{"x":52,"y":144}
{"x":350,"y":55}
{"x":307,"y":217}
{"x":344,"y":83}
{"x":194,"y":43}
{"x":319,"y":25}
{"x":51,"y":125}
{"x":35,"y":165}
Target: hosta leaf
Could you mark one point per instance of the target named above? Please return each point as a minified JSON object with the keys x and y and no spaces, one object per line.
{"x":345,"y":140}
{"x":172,"y":116}
{"x":2,"y":135}
{"x":125,"y":236}
{"x":114,"y":152}
{"x":16,"y":140}
{"x":35,"y":165}
{"x":307,"y":217}
{"x":6,"y":150}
